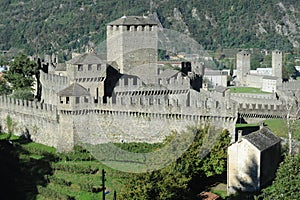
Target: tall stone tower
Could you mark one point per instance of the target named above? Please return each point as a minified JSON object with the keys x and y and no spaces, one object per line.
{"x":277,"y":63}
{"x":242,"y":66}
{"x":132,"y":46}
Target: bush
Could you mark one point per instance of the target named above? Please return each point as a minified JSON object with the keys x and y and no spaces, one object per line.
{"x":79,"y":154}
{"x":75,"y":168}
{"x":89,"y":187}
{"x":52,"y":194}
{"x":57,"y":180}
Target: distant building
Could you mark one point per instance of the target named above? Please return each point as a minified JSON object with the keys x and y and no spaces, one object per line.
{"x":216,"y":77}
{"x":260,"y":77}
{"x":252,"y":161}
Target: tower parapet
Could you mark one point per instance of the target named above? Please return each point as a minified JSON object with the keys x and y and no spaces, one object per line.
{"x":132,"y":43}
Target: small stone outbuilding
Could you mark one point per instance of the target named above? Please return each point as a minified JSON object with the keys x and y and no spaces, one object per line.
{"x":252,"y":161}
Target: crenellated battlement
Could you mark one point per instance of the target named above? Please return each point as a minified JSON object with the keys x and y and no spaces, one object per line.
{"x":256,"y":110}
{"x":291,"y":85}
{"x":53,"y":79}
{"x":28,"y":107}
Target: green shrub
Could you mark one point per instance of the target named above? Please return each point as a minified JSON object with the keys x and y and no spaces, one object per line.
{"x":75,"y":168}
{"x":52,"y":194}
{"x":56,"y":180}
{"x":89,"y":187}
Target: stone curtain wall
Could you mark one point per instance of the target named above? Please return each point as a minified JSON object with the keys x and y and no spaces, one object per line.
{"x":263,"y":111}
{"x":109,"y":125}
{"x":51,"y":84}
{"x":39,"y":120}
{"x":100,"y":123}
{"x":255,"y":98}
{"x":291,"y":85}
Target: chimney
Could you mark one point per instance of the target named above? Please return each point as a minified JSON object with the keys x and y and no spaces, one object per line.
{"x":261,"y":125}
{"x":240,"y":134}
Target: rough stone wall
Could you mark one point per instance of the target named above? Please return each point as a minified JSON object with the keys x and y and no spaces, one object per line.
{"x":291,"y":85}
{"x":277,"y":63}
{"x":51,"y":85}
{"x":261,"y":111}
{"x":255,"y":98}
{"x":243,"y":67}
{"x":134,"y":50}
{"x":133,"y":125}
{"x":253,"y":81}
{"x":39,"y":120}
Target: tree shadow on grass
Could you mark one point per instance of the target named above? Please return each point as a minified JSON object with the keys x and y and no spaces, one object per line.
{"x":21,"y":171}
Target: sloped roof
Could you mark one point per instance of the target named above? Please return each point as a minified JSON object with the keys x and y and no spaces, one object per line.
{"x":220,"y":88}
{"x":133,"y":20}
{"x":86,"y":58}
{"x":262,"y":139}
{"x":74,"y":90}
{"x":168,"y":73}
{"x":270,"y":77}
{"x":61,"y":67}
{"x":243,"y":52}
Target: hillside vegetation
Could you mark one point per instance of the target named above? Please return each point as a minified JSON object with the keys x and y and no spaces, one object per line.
{"x":62,"y":26}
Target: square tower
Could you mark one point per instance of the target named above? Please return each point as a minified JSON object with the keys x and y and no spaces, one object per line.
{"x":277,"y":64}
{"x":242,"y":66}
{"x":132,"y":46}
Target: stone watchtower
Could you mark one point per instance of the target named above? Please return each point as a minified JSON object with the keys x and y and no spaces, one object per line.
{"x":277,"y":64}
{"x":132,"y":46}
{"x":70,"y":100}
{"x":242,"y":66}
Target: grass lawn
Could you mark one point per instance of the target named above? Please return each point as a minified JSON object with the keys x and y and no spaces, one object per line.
{"x":278,"y":126}
{"x":247,"y":90}
{"x":245,"y":125}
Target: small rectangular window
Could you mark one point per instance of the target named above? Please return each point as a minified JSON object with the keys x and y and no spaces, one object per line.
{"x":80,"y":67}
{"x":99,"y":67}
{"x":67,"y":100}
{"x":89,"y":67}
{"x":77,"y":99}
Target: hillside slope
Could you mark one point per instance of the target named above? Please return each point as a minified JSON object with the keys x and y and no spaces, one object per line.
{"x":63,"y":25}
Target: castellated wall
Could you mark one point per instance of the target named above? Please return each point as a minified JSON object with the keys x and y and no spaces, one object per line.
{"x":255,"y":98}
{"x":40,"y":120}
{"x":141,"y":121}
{"x":291,"y":85}
{"x":51,"y":85}
{"x":144,"y":122}
{"x":262,"y":111}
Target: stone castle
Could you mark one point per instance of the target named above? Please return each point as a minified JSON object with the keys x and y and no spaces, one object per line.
{"x":125,"y":96}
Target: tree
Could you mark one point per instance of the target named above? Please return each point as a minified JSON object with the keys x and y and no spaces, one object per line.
{"x":21,"y":74}
{"x":4,"y":87}
{"x":287,"y":182}
{"x":291,"y":101}
{"x":205,"y":157}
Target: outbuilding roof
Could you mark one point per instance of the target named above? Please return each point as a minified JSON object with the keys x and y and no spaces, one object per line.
{"x":74,"y":89}
{"x":133,"y":20}
{"x":270,"y":77}
{"x":86,"y":58}
{"x":262,"y":139}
